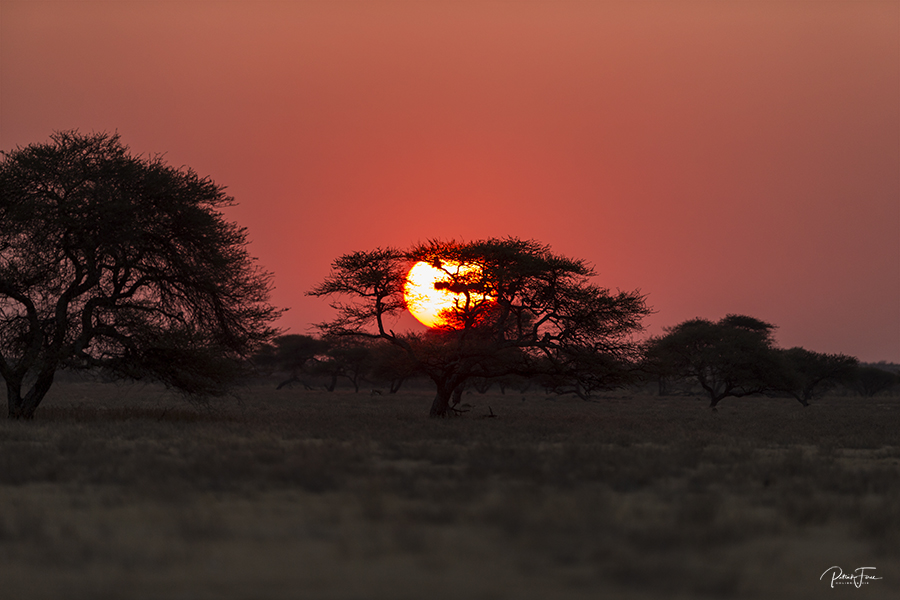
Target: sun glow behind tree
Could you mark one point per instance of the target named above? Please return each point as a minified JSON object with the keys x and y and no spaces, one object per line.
{"x":514,"y":307}
{"x":434,"y":291}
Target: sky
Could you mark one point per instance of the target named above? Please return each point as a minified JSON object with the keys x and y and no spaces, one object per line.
{"x":722,"y":157}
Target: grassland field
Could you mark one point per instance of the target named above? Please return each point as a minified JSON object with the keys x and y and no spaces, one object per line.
{"x":128,"y":491}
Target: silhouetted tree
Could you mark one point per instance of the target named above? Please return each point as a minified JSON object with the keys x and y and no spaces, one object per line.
{"x":869,"y":380}
{"x":481,"y":384}
{"x":583,"y":372}
{"x":807,"y":374}
{"x":391,"y":364}
{"x":734,"y":356}
{"x":520,"y":307}
{"x":519,"y":383}
{"x":120,"y":263}
{"x":345,"y":358}
{"x":290,"y":353}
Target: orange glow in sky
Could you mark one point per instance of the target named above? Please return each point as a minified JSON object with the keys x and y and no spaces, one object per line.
{"x":722,"y":157}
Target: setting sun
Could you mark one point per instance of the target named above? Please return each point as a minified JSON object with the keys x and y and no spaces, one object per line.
{"x":425,"y":302}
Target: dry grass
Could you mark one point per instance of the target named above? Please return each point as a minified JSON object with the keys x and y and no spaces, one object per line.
{"x":124,"y":491}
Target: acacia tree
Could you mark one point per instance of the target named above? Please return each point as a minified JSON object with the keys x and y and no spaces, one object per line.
{"x":519,"y":309}
{"x":124,"y":264}
{"x":870,"y":380}
{"x":807,"y":374}
{"x":391,"y":364}
{"x":586,"y":371}
{"x":290,"y":353}
{"x":346,"y":359}
{"x":734,"y":356}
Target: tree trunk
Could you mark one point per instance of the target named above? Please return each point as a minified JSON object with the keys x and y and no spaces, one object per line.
{"x":807,"y":395}
{"x":716,"y":392}
{"x":457,"y":395}
{"x":440,"y":407}
{"x":14,"y":399}
{"x":23,"y":407}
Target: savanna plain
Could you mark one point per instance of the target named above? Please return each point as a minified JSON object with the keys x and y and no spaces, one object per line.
{"x":127,"y":491}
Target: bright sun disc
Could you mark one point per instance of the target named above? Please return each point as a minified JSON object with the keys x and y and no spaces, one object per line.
{"x":424,"y":302}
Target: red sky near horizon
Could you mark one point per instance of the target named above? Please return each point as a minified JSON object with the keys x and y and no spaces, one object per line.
{"x":723,"y":157}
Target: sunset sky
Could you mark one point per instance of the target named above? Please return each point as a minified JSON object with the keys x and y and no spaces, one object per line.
{"x":723,"y":157}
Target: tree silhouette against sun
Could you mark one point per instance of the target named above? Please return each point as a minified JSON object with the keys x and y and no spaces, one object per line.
{"x":494,"y":307}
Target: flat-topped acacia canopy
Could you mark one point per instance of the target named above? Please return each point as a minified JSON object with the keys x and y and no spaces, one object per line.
{"x":517,"y":308}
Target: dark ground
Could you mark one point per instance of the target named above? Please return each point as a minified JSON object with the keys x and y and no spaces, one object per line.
{"x":129,"y":492}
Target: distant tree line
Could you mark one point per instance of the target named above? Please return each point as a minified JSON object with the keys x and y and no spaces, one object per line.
{"x":736,"y":356}
{"x":312,"y":361}
{"x":733,"y":357}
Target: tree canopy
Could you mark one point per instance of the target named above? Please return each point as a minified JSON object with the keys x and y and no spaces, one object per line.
{"x":807,"y":374}
{"x":121,"y":263}
{"x":290,"y":353}
{"x":519,"y":308}
{"x":731,"y":357}
{"x":870,"y":380}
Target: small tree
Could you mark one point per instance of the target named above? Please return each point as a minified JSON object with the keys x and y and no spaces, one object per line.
{"x":519,"y":309}
{"x":391,"y":364}
{"x":584,"y":372}
{"x":290,"y":353}
{"x":124,"y":264}
{"x":732,"y":357}
{"x":807,"y":374}
{"x":345,"y":358}
{"x":869,"y":380}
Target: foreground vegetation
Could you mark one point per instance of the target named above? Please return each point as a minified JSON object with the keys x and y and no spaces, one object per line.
{"x":126,"y":491}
